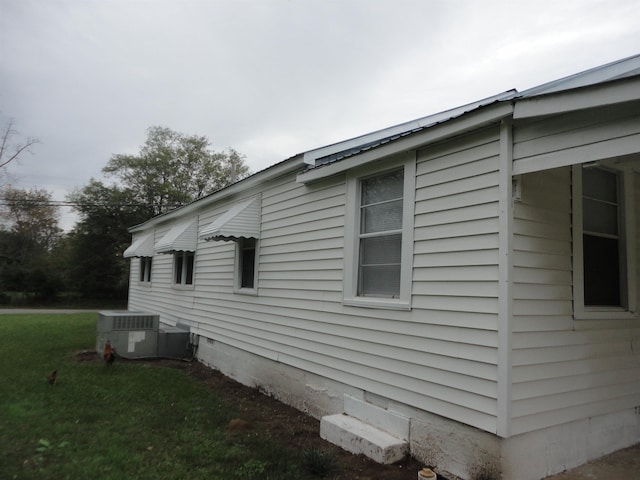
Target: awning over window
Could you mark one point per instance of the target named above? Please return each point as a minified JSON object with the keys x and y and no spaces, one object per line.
{"x":240,"y":221}
{"x":142,"y":246}
{"x":182,"y":237}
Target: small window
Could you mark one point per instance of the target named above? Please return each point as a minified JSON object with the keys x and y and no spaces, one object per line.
{"x":183,"y":268}
{"x":602,"y":245}
{"x":145,"y":269}
{"x":246,"y":264}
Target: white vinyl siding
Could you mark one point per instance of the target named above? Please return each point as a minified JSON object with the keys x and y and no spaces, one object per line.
{"x":563,"y":369}
{"x":455,"y":276}
{"x":576,"y":138}
{"x":440,"y":356}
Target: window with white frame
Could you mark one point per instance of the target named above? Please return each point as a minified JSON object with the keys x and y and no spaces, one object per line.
{"x":145,"y":269}
{"x":379,"y":237}
{"x":604,"y":252}
{"x":246,"y":271}
{"x":183,"y":266}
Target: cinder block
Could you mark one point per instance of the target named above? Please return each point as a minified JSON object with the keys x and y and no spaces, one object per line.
{"x":390,"y":422}
{"x":358,"y":437}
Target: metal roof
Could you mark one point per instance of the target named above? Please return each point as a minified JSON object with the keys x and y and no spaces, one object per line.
{"x":619,"y":69}
{"x":338,"y":151}
{"x":624,"y":68}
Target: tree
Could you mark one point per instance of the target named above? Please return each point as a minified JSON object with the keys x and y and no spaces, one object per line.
{"x":173,"y":169}
{"x":27,"y":238}
{"x":33,"y":214}
{"x":94,"y":248}
{"x":10,"y":147}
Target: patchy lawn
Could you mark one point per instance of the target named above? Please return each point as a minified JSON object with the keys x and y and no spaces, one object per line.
{"x":158,"y":419}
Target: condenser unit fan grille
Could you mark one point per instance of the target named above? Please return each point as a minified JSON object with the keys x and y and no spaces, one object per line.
{"x":134,"y":323}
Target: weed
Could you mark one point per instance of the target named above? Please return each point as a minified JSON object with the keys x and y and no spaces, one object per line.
{"x":319,"y":462}
{"x":252,"y":468}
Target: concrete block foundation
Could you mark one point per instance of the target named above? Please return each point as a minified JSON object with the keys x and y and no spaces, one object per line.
{"x":456,"y":449}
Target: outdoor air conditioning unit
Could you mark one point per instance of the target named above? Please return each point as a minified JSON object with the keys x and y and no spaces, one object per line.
{"x":132,"y":334}
{"x":140,"y":335}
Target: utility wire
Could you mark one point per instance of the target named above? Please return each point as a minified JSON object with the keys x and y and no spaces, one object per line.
{"x":61,"y":203}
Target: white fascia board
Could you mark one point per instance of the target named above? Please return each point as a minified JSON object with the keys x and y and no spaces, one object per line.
{"x":620,"y":91}
{"x":471,"y":121}
{"x":612,"y":148}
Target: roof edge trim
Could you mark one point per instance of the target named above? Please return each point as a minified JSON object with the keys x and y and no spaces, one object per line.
{"x":477,"y":119}
{"x":311,"y":156}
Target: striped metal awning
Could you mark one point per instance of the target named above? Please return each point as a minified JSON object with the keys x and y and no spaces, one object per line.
{"x":142,"y":246}
{"x":183,"y":237}
{"x":240,"y":221}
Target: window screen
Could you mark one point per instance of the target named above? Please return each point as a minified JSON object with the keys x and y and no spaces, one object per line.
{"x":380,"y":235}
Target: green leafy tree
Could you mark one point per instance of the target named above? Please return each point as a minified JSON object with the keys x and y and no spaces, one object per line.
{"x":30,"y":232}
{"x":170,"y":170}
{"x":96,"y":268}
{"x":173,"y":169}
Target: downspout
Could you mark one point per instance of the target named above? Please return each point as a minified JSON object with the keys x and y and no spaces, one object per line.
{"x":505,"y":278}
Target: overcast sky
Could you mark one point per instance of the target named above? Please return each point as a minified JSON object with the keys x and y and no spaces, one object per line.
{"x":272,"y":78}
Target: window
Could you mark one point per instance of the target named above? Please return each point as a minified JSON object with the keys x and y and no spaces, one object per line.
{"x":603,"y":242}
{"x":145,"y":269}
{"x":246,"y":265}
{"x":183,"y":268}
{"x":379,"y":236}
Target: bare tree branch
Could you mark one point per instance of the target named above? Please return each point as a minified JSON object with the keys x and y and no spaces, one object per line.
{"x":10,"y":152}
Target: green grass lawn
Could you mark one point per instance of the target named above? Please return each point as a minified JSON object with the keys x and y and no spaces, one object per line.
{"x":131,"y":421}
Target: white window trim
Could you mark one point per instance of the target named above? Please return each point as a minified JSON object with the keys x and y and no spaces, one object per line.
{"x":182,"y":285}
{"x":141,"y":281}
{"x":406,"y":160}
{"x":580,"y":311}
{"x":237,"y":282}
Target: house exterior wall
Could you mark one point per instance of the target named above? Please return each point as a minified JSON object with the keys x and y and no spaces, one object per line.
{"x":440,"y":356}
{"x":438,"y":362}
{"x":565,"y":369}
{"x":575,"y":390}
{"x":575,"y":137}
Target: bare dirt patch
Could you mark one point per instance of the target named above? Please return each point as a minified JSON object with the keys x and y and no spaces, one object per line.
{"x":292,"y":427}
